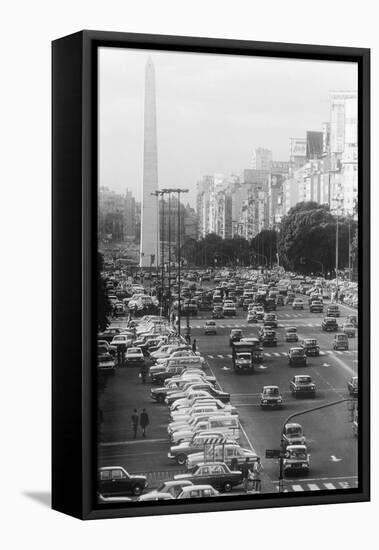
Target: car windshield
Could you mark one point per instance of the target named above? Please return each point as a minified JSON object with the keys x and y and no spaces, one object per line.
{"x":303,"y":379}
{"x":245,"y":356}
{"x":291,"y":330}
{"x":293,"y":430}
{"x":298,"y":455}
{"x":271,"y":391}
{"x":310,"y":342}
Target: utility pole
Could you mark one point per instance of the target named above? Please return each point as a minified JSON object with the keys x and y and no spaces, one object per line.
{"x":178,"y":191}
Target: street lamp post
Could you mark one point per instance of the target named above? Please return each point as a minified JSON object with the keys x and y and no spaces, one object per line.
{"x":157,"y":194}
{"x":178,"y":191}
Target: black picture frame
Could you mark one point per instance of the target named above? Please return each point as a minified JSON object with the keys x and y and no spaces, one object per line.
{"x":74,"y":205}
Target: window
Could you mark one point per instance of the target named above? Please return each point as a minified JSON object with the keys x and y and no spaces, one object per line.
{"x":105,"y":475}
{"x":118,"y":474}
{"x":194,"y":494}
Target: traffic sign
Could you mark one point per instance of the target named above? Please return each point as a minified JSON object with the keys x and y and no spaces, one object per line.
{"x":273,"y":453}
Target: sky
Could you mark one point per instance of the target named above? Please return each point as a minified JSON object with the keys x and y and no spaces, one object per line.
{"x":212,"y":112}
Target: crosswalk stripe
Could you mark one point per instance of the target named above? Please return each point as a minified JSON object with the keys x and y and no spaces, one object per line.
{"x":229,"y":355}
{"x":339,"y":352}
{"x":221,"y":356}
{"x":329,"y":486}
{"x":297,"y":488}
{"x":322,"y":353}
{"x":344,"y":484}
{"x":211,"y":356}
{"x":284,"y":353}
{"x":277,"y":354}
{"x":313,"y":487}
{"x":267,"y":354}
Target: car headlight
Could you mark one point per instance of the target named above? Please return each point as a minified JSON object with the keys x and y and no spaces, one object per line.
{"x":279,"y":400}
{"x":264,"y":401}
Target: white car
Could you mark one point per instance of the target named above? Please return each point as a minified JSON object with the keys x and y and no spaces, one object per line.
{"x":134,"y":355}
{"x":122,"y":339}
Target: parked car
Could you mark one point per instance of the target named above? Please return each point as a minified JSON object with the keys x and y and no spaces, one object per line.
{"x":171,"y":487}
{"x":115,"y":480}
{"x":198,"y":491}
{"x":218,"y":475}
{"x":180,"y":452}
{"x":105,"y":362}
{"x":302,"y":384}
{"x":229,"y":309}
{"x":226,"y":452}
{"x":271,"y":397}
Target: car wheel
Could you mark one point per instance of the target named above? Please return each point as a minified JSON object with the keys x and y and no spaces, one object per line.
{"x":227,"y":487}
{"x":137,"y":490}
{"x":181,"y":459}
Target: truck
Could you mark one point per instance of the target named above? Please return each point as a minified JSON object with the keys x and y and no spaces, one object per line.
{"x":244,"y":355}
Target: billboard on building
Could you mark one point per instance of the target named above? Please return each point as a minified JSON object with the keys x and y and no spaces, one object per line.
{"x":314,"y":144}
{"x":298,"y":147}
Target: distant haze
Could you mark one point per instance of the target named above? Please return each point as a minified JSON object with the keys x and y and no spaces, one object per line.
{"x":212,"y":111}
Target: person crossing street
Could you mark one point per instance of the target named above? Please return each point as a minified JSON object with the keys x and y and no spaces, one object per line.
{"x":144,"y":421}
{"x":257,"y":470}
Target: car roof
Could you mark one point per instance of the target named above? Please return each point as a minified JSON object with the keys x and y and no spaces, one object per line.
{"x":271,"y":387}
{"x":197,"y":487}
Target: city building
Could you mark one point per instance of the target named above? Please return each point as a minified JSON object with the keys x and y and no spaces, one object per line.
{"x":261,"y":159}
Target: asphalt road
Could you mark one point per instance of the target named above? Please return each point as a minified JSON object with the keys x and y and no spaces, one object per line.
{"x":331,"y":443}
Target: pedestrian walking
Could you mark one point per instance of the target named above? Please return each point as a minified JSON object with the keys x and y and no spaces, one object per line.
{"x":194,"y":347}
{"x":245,"y":469}
{"x":134,"y":423}
{"x":257,"y":470}
{"x":144,"y":421}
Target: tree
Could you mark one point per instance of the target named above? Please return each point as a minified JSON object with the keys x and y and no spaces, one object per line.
{"x":104,"y":307}
{"x":264,"y":245}
{"x":309,"y":231}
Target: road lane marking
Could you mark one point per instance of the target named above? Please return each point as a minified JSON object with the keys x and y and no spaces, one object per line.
{"x":330,"y":486}
{"x":210,"y":356}
{"x":229,"y":355}
{"x":276,"y":354}
{"x":344,"y":365}
{"x":297,"y":488}
{"x":344,"y":484}
{"x":313,"y":487}
{"x":221,"y":356}
{"x":267,"y":354}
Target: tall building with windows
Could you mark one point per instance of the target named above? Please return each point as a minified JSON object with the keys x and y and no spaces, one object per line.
{"x":261,"y":159}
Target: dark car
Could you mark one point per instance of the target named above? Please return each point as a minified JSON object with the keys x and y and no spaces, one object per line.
{"x":217,"y":312}
{"x":216,"y":474}
{"x":329,"y":324}
{"x":316,"y":307}
{"x":205,"y":304}
{"x":297,"y":357}
{"x":271,"y":397}
{"x":311,"y":347}
{"x":333,"y":311}
{"x":235,"y":335}
{"x":114,"y":481}
{"x":302,"y":384}
{"x":270,"y":320}
{"x":280,"y":300}
{"x":109,"y":334}
{"x":159,"y":376}
{"x":270,"y":304}
{"x":352,"y":386}
{"x":268,"y":337}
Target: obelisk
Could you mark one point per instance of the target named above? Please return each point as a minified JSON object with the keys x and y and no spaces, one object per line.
{"x":149,"y":210}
